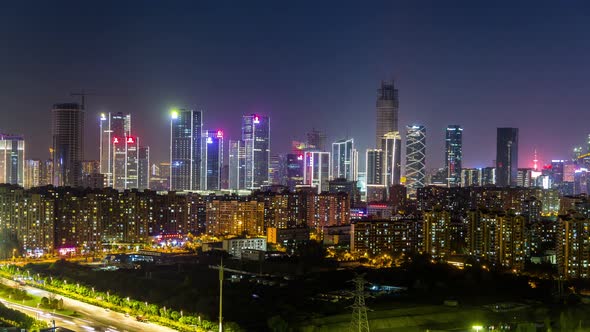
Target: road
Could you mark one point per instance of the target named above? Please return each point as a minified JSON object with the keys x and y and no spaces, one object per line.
{"x":92,"y":318}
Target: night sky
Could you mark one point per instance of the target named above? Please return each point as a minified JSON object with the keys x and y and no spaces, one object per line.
{"x":306,"y":64}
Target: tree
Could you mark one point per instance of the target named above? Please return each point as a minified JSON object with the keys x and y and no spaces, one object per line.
{"x":277,"y":324}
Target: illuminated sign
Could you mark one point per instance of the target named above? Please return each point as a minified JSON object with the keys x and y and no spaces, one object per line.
{"x":115,"y":140}
{"x":256,"y":119}
{"x":103,"y":117}
{"x":300,"y":157}
{"x":130,"y":140}
{"x":174,"y":114}
{"x":209,"y":140}
{"x":219,"y":134}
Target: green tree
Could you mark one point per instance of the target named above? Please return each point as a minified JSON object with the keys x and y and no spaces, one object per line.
{"x":277,"y":324}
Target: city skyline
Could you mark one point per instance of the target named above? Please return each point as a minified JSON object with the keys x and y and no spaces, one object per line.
{"x":493,"y":90}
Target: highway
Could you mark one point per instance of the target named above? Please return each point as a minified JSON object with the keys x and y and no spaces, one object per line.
{"x":92,"y":318}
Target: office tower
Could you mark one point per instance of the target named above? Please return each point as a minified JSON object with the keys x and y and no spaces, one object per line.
{"x":391,"y":145}
{"x":317,"y":169}
{"x":90,"y":167}
{"x":46,"y":173}
{"x":471,"y":177}
{"x":374,"y":168}
{"x":506,"y":157}
{"x":294,"y":170}
{"x":237,"y":165}
{"x":68,"y":144}
{"x":32,"y":173}
{"x":256,"y":137}
{"x":185,"y":149}
{"x":415,"y":158}
{"x":524,"y":177}
{"x":212,"y":159}
{"x":12,"y":159}
{"x":454,"y":155}
{"x":112,"y":125}
{"x":316,"y":140}
{"x":143,"y":168}
{"x":125,"y":160}
{"x":344,"y":160}
{"x":556,"y":171}
{"x":387,"y":110}
{"x":488,"y":176}
{"x":275,"y":168}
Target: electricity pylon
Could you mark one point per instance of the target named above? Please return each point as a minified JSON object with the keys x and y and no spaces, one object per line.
{"x":359,"y":322}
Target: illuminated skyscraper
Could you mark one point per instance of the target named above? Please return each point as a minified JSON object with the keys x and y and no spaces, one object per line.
{"x":454,"y":155}
{"x":316,"y":140}
{"x":32,"y":173}
{"x":12,"y":159}
{"x":256,"y":137}
{"x":212,"y":159}
{"x":185,"y":149}
{"x":112,"y":125}
{"x":375,"y":170}
{"x":68,"y":144}
{"x":125,"y":163}
{"x":506,"y":157}
{"x":415,"y":158}
{"x":294,"y":170}
{"x":344,"y":160}
{"x":317,"y":169}
{"x":391,"y":145}
{"x":143,"y":168}
{"x":387,"y":110}
{"x":237,"y":164}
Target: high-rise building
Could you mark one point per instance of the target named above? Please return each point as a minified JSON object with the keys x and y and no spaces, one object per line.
{"x":68,"y":144}
{"x":316,"y":140}
{"x":471,"y":177}
{"x":375,"y":169}
{"x":32,"y":173}
{"x":391,"y":145}
{"x":143,"y":168}
{"x":212,"y":159}
{"x":125,"y":172}
{"x":573,"y":247}
{"x":317,"y":169}
{"x":506,"y":157}
{"x":387,"y":110}
{"x":344,"y":160}
{"x":488,"y":176}
{"x":415,"y":158}
{"x":453,"y":155}
{"x":237,"y":164}
{"x":112,"y":125}
{"x":256,"y":137}
{"x":294,"y":170}
{"x":12,"y":159}
{"x":185,"y":149}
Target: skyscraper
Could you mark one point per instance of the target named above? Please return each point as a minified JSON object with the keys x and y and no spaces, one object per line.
{"x":391,"y":145}
{"x":344,"y":160}
{"x":143,"y":168}
{"x":185,"y":149}
{"x":212,"y":160}
{"x":453,"y":155}
{"x":375,"y":170}
{"x":68,"y":144}
{"x":12,"y":159}
{"x":112,"y":125}
{"x":237,"y":164}
{"x":415,"y":158}
{"x":387,"y":110}
{"x":506,"y":157}
{"x":316,"y":140}
{"x":256,"y":137}
{"x":317,"y":169}
{"x":32,"y":173}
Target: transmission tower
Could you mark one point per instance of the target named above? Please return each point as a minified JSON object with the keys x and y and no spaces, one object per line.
{"x":359,"y":322}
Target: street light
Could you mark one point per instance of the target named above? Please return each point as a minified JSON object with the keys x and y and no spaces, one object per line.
{"x":477,"y":327}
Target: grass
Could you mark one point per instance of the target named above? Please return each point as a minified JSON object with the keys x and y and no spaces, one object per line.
{"x":33,"y":301}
